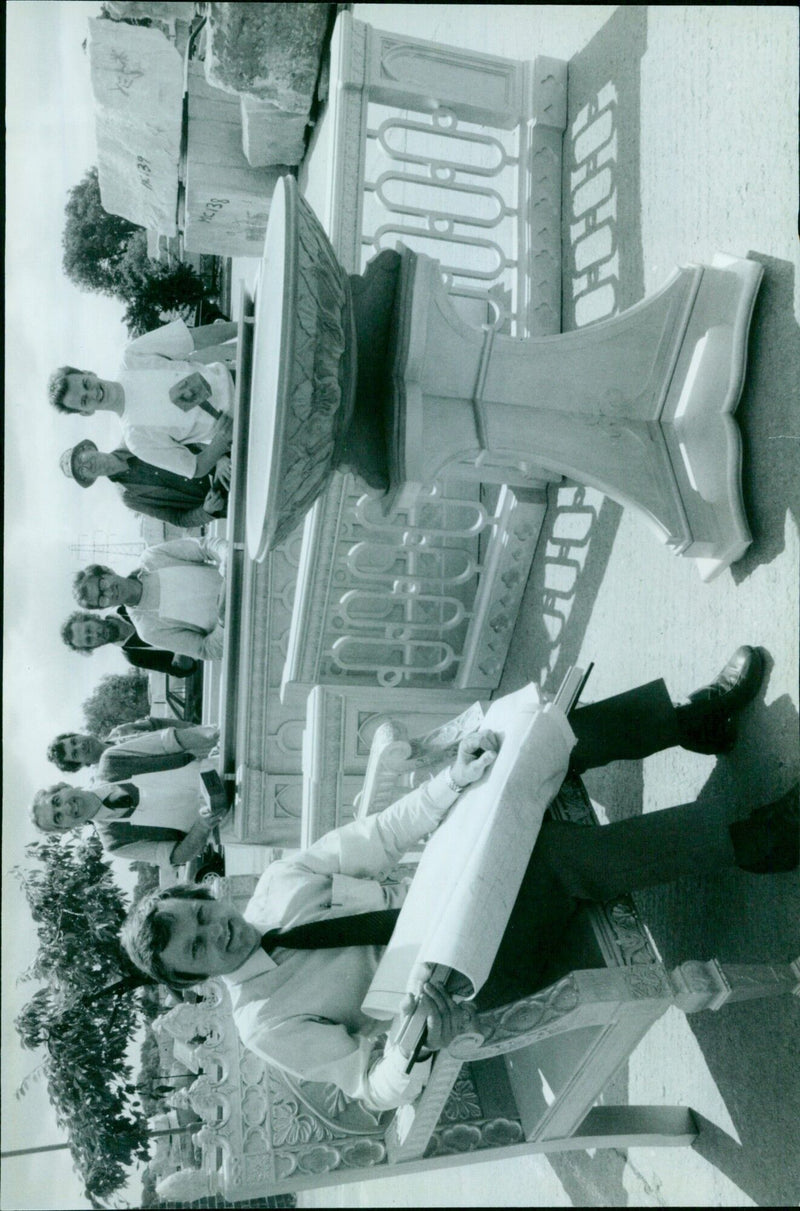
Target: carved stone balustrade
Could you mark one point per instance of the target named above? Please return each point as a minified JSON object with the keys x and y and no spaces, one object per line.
{"x":341,"y":727}
{"x":452,"y":151}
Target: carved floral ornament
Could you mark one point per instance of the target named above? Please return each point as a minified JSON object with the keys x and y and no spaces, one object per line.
{"x":504,"y":1029}
{"x":469,"y":1137}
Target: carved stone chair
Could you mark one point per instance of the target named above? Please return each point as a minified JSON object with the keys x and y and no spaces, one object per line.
{"x":536,"y":1069}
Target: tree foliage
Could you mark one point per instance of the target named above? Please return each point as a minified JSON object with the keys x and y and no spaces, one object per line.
{"x":117,"y":698}
{"x":78,"y":910}
{"x":163,"y":289}
{"x":94,"y":241}
{"x":106,"y":253}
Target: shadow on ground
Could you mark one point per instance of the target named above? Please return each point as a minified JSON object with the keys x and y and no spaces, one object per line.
{"x":601,"y":198}
{"x":752,"y":1049}
{"x":601,"y":186}
{"x":567,"y":571}
{"x":601,"y":193}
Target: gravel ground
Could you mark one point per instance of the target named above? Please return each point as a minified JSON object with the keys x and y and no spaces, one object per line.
{"x":702,"y":158}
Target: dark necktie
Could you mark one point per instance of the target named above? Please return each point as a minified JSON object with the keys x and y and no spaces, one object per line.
{"x":360,"y":929}
{"x":123,"y":807}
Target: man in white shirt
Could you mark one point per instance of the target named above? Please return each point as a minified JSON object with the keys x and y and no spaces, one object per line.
{"x":175,"y":599}
{"x":298,"y":1006}
{"x":164,"y":817}
{"x":166,"y":396}
{"x":133,"y":748}
{"x":83,"y":633}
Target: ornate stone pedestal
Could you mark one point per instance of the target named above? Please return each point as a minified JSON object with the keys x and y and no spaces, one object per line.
{"x":639,"y":406}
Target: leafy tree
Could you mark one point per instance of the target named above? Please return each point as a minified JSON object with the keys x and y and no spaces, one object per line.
{"x":94,"y":241}
{"x":117,"y":698}
{"x":162,"y":289}
{"x":78,"y":910}
{"x":108,"y":254}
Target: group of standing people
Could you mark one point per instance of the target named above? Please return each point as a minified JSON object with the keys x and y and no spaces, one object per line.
{"x":173,"y":397}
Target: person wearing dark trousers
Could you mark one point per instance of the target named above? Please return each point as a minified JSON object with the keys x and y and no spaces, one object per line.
{"x":299,"y":961}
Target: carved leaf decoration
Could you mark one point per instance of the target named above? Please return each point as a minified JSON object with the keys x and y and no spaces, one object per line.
{"x":334,"y":1100}
{"x":463,"y":1100}
{"x":321,"y":381}
{"x":363,"y":1153}
{"x":318,"y":1160}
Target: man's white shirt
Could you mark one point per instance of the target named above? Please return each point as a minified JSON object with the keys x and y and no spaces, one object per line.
{"x":167,"y":799}
{"x":154,"y":428}
{"x":182,"y":590}
{"x":301,"y":1009}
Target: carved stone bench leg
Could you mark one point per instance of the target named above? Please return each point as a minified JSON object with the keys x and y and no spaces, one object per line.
{"x":711,"y":984}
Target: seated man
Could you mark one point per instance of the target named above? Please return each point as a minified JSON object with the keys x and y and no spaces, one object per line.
{"x":120,"y":756}
{"x":168,"y":497}
{"x":297,"y":997}
{"x":164,"y":817}
{"x":83,"y":633}
{"x":175,"y":599}
{"x":166,"y":398}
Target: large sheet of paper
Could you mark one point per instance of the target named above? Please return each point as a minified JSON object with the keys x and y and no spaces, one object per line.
{"x":467,"y":880}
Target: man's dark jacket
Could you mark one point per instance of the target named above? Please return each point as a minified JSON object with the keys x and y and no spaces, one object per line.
{"x":143,"y":655}
{"x":169,"y":497}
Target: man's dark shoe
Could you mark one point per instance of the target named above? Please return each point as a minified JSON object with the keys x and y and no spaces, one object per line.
{"x":736,"y":685}
{"x":768,"y":841}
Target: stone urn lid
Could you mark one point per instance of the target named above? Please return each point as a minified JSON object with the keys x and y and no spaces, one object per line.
{"x":304,"y":371}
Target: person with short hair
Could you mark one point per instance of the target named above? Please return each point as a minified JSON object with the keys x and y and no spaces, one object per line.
{"x":298,"y":966}
{"x":84,"y":633}
{"x":164,"y":817}
{"x":175,"y":499}
{"x":166,"y":397}
{"x":175,"y":598}
{"x":133,"y":748}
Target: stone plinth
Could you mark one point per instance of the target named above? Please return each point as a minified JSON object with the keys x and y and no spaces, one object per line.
{"x":269,"y":135}
{"x":270,"y":51}
{"x":639,"y":406}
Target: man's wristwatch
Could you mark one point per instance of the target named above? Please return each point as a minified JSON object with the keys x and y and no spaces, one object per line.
{"x":451,"y":782}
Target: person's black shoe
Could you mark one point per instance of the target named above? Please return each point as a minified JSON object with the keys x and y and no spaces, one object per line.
{"x":768,"y":841}
{"x":736,"y":684}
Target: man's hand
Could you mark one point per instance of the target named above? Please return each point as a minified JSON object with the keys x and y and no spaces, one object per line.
{"x":212,"y":818}
{"x":445,"y":1017}
{"x":190,"y":391}
{"x":223,"y":429}
{"x":475,"y":754}
{"x":214,"y":501}
{"x":222,"y":471}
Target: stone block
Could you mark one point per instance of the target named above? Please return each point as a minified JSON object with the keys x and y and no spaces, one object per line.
{"x":269,"y":51}
{"x":269,"y":135}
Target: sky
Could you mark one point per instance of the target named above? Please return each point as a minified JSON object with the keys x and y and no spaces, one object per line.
{"x":50,"y":145}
